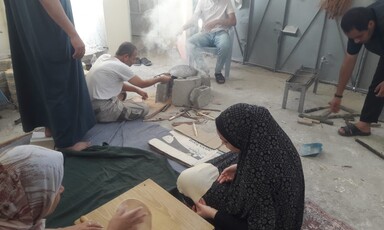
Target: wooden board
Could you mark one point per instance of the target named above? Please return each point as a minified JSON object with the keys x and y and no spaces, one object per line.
{"x":183,"y":149}
{"x":167,"y":211}
{"x":210,"y":140}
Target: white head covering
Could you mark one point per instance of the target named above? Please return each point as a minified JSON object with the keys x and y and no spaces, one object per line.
{"x":196,"y":181}
{"x":30,"y":178}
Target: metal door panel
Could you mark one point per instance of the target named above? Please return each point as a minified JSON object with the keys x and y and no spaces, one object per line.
{"x":266,"y":19}
{"x":320,"y":42}
{"x":302,"y":48}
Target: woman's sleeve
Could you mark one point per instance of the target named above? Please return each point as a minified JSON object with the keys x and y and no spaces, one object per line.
{"x":224,"y":220}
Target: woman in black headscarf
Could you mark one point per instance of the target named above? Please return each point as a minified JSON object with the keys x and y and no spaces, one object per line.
{"x":263,"y":188}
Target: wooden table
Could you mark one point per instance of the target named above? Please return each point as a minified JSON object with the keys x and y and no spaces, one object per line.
{"x":168,"y":213}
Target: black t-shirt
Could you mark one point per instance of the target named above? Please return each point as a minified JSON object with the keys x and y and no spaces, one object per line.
{"x":376,"y":43}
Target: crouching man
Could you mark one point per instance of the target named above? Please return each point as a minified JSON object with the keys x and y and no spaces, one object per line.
{"x":108,"y":81}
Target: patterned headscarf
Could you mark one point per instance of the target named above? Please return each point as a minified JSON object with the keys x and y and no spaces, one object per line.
{"x":268,"y":189}
{"x":30,"y":178}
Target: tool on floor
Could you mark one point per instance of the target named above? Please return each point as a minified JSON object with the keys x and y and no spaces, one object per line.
{"x":205,"y":115}
{"x":318,"y":118}
{"x":162,"y":109}
{"x":182,"y":112}
{"x":194,"y":129}
{"x":307,"y":121}
{"x":349,"y":117}
{"x":155,"y":119}
{"x":379,"y":154}
{"x":166,"y":107}
{"x":203,"y":109}
{"x":316,"y":109}
{"x":326,"y":114}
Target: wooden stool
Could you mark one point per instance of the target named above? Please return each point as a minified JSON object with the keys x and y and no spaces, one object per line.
{"x":300,"y":81}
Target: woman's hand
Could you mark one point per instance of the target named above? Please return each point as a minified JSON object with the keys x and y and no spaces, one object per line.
{"x":87,"y":225}
{"x":204,"y":210}
{"x":228,"y":174}
{"x":125,"y":219}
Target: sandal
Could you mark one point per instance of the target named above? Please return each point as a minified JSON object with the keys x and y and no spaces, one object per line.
{"x":145,"y":61}
{"x":220,"y":79}
{"x":351,"y":130}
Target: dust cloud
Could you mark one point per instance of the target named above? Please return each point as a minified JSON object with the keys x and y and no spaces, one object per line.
{"x":166,"y":20}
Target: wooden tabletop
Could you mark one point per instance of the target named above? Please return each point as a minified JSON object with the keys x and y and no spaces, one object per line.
{"x":168,"y":213}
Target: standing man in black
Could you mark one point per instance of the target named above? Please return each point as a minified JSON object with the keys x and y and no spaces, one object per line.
{"x":363,"y":25}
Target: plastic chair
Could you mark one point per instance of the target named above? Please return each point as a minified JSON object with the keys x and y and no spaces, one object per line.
{"x":214,"y":51}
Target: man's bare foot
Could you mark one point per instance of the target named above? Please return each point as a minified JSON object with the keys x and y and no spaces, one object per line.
{"x":79,"y":146}
{"x":47,"y":132}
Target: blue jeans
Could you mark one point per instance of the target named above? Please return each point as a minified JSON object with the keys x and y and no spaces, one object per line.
{"x":219,"y":39}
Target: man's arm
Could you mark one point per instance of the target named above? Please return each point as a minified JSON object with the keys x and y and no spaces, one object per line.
{"x":195,"y":17}
{"x":137,"y":81}
{"x":190,"y":23}
{"x":344,"y":76}
{"x":130,"y":88}
{"x":55,"y":10}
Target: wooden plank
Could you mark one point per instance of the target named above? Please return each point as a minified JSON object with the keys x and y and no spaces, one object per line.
{"x":184,"y":149}
{"x":167,"y":212}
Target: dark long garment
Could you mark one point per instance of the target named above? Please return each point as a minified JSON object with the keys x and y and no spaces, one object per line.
{"x":268,"y":189}
{"x":98,"y":174}
{"x":373,"y":105}
{"x":50,"y":84}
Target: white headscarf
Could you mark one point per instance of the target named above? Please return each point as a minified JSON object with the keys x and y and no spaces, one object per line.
{"x":30,"y":178}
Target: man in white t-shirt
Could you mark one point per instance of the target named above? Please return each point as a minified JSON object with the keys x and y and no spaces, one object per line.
{"x":217,"y":16}
{"x":108,"y":81}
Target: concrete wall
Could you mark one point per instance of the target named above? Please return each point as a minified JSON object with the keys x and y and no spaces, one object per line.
{"x":4,"y":42}
{"x":117,"y":23}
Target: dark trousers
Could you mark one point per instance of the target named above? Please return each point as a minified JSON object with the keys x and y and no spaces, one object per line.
{"x":373,"y":105}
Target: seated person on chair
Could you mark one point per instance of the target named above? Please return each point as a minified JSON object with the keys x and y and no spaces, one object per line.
{"x":30,"y":178}
{"x":108,"y":81}
{"x":260,"y":188}
{"x":217,"y":16}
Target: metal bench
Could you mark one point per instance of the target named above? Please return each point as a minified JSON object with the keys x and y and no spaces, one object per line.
{"x":300,"y":81}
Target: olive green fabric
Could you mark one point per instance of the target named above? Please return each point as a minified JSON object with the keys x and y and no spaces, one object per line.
{"x":98,"y":174}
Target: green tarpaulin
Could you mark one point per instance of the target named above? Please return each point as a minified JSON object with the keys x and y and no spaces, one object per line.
{"x":100,"y":173}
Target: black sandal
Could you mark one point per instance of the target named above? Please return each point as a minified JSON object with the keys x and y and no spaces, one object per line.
{"x":145,"y":61}
{"x":351,"y":130}
{"x":220,"y":79}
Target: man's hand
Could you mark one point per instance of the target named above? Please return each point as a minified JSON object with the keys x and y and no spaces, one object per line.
{"x":209,"y":25}
{"x":143,"y":94}
{"x":79,"y":47}
{"x":204,"y":210}
{"x":228,"y":174}
{"x":164,"y":78}
{"x":335,"y":104}
{"x":125,"y":219}
{"x":379,"y":90}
